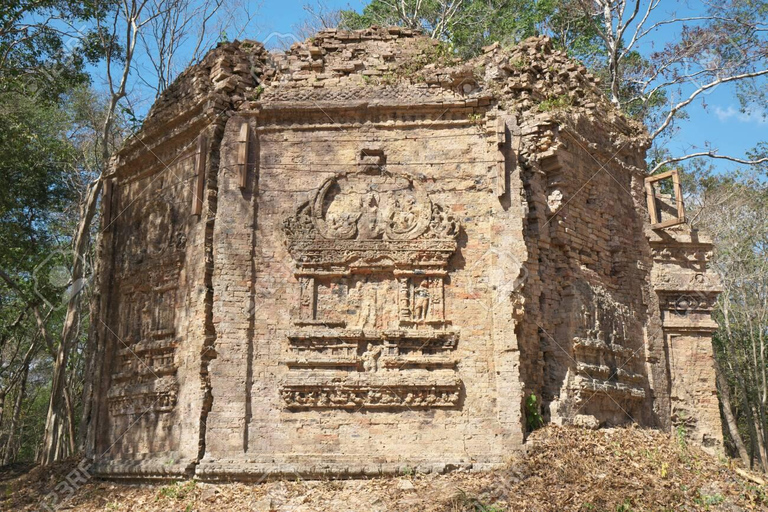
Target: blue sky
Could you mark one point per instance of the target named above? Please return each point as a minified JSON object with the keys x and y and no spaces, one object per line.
{"x":715,"y":117}
{"x":282,"y":15}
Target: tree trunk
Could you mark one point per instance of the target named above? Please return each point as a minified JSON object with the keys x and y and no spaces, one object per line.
{"x":761,"y":444}
{"x":2,"y":406}
{"x":10,"y":452}
{"x":57,"y":421}
{"x":70,"y":419}
{"x":730,"y":420}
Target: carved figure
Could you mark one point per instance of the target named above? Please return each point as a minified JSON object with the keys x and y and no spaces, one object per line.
{"x":371,"y":358}
{"x":366,"y":315}
{"x":421,"y":301}
{"x":368,"y":226}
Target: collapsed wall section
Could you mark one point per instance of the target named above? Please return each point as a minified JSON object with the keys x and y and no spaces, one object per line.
{"x":589,"y":287}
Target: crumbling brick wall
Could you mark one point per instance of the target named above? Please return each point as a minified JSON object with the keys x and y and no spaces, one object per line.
{"x":365,"y":254}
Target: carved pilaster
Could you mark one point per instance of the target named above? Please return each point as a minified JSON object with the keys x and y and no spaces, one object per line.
{"x":404,"y":298}
{"x":687,"y":291}
{"x":437,"y":303}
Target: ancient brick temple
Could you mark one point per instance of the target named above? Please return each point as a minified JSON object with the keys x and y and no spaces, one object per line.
{"x":365,"y":255}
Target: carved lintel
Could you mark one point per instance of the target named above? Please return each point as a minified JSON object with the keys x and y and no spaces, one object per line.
{"x":142,"y":404}
{"x":688,"y":311}
{"x":132,"y":398}
{"x":371,"y":390}
{"x":609,"y":387}
{"x":403,"y":337}
{"x":298,"y":398}
{"x":681,"y":253}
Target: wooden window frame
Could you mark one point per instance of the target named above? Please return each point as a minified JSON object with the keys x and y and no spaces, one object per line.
{"x":651,"y":198}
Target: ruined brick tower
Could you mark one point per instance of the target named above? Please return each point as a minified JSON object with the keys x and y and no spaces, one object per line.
{"x":365,"y":255}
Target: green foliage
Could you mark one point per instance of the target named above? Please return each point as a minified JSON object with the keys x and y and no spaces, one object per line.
{"x":478,"y":23}
{"x":733,"y":208}
{"x":465,"y":503}
{"x":434,"y":53}
{"x":707,"y":500}
{"x":555,"y":103}
{"x":48,"y":118}
{"x":475,"y":118}
{"x":46,"y":59}
{"x":533,"y":419}
{"x":176,"y":491}
{"x":36,"y":163}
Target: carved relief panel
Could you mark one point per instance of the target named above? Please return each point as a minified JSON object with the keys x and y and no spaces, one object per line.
{"x":371,"y":252}
{"x":148,"y":269}
{"x":604,"y":359}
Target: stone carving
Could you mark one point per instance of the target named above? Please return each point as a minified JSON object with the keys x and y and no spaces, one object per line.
{"x":421,"y":301}
{"x":144,"y":370}
{"x":368,"y":397}
{"x":371,"y":251}
{"x":383,"y":389}
{"x":371,"y":220}
{"x":603,"y":361}
{"x":357,"y":206}
{"x":371,"y":358}
{"x":683,"y":303}
{"x":682,"y":253}
{"x":157,"y":395}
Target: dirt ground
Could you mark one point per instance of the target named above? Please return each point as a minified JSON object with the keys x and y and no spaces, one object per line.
{"x":565,"y":469}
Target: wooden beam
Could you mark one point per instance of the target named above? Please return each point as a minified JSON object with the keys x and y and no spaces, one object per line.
{"x":651,"y":199}
{"x":678,"y":196}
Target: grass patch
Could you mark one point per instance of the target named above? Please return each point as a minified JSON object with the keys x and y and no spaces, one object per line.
{"x":176,"y":491}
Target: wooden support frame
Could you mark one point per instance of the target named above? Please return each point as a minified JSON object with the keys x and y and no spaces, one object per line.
{"x":242,"y":153}
{"x":200,"y":164}
{"x":656,"y":222}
